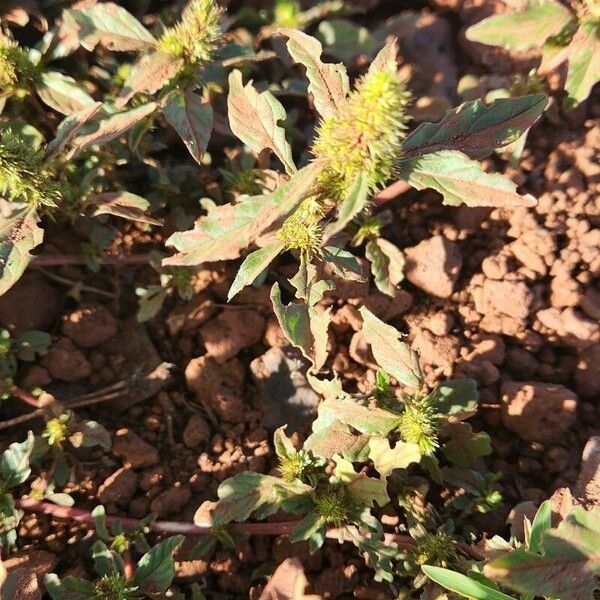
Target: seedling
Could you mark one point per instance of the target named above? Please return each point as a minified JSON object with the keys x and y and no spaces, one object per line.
{"x":564,"y":33}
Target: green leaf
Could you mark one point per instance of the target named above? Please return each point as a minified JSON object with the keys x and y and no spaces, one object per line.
{"x":303,"y":326}
{"x":337,"y":438}
{"x":90,"y":434}
{"x":192,"y":119}
{"x":392,"y":355}
{"x":99,"y":516}
{"x":361,"y":489}
{"x":462,"y":585}
{"x":476,"y":128}
{"x":155,"y":570}
{"x":344,"y":263}
{"x":352,"y":205}
{"x":306,"y":284}
{"x":110,"y":127}
{"x":19,"y":234}
{"x":106,"y":562}
{"x":123,"y":204}
{"x":345,"y":41}
{"x":464,"y":447}
{"x":112,"y":27}
{"x":32,"y":343}
{"x":228,"y":229}
{"x":542,"y":523}
{"x":312,"y":528}
{"x":254,"y":264}
{"x":257,"y":119}
{"x":151,"y":300}
{"x":14,"y":464}
{"x":386,"y":459}
{"x":455,"y":397}
{"x":567,"y":567}
{"x":387,"y":265}
{"x":329,"y":83}
{"x":584,"y":63}
{"x":63,"y":93}
{"x":250,"y":492}
{"x":148,"y":75}
{"x":522,"y":30}
{"x":70,"y":588}
{"x":461,"y":180}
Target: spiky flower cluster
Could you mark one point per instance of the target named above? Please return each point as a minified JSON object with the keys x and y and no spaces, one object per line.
{"x":114,"y":587}
{"x":331,"y":506}
{"x":302,"y":230}
{"x":297,"y":465}
{"x":22,"y":174}
{"x":364,"y":135}
{"x":57,"y":430}
{"x":419,"y":425}
{"x":437,"y":549}
{"x":15,"y":65}
{"x":196,"y":36}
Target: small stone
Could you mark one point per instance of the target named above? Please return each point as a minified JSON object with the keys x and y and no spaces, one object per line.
{"x":588,"y":482}
{"x":90,"y":325}
{"x":232,"y":331}
{"x":218,"y":386}
{"x":133,"y":450}
{"x":119,"y":488}
{"x":440,"y":323}
{"x":511,"y":298}
{"x":495,"y":267}
{"x":434,"y":265}
{"x":196,"y":432}
{"x":171,"y":501}
{"x":284,"y":395}
{"x":538,"y":412}
{"x":65,"y":361}
{"x":488,"y":346}
{"x":587,"y":382}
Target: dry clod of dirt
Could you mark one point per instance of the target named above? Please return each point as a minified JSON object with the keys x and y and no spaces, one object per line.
{"x":435,"y":350}
{"x":67,"y":362}
{"x":39,"y":562}
{"x":232,"y":331}
{"x":196,"y":432}
{"x":587,"y":487}
{"x":26,"y":585}
{"x":119,"y":487}
{"x":90,"y":325}
{"x":218,"y":386}
{"x":538,"y":412}
{"x":190,"y":316}
{"x":434,"y":265}
{"x":133,"y":450}
{"x":171,"y":501}
{"x":587,"y":382}
{"x":283,"y":393}
{"x":336,"y":581}
{"x":510,"y":298}
{"x":384,"y":306}
{"x":35,"y":377}
{"x":568,"y":326}
{"x":32,"y":303}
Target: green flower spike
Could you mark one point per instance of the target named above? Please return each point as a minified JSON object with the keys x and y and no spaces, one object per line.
{"x":364,"y":135}
{"x":196,"y":37}
{"x":419,"y":424}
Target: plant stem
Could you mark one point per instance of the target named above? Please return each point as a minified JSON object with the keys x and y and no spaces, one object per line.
{"x":174,"y":527}
{"x":25,"y":396}
{"x":61,"y":260}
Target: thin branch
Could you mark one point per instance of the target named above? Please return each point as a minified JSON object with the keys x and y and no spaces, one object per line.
{"x":175,"y":527}
{"x":25,"y":396}
{"x":73,"y":283}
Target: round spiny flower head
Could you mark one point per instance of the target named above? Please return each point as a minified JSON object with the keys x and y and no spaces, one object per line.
{"x":22,"y":176}
{"x":57,"y":430}
{"x":331,"y":506}
{"x":297,"y":465}
{"x":418,"y":424}
{"x":15,"y":65}
{"x":437,"y":549}
{"x":364,"y":135}
{"x":114,"y":587}
{"x":302,"y":230}
{"x":196,"y":36}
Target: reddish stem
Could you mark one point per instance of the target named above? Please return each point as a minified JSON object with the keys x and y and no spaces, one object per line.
{"x":25,"y":396}
{"x":175,"y":527}
{"x":60,"y":260}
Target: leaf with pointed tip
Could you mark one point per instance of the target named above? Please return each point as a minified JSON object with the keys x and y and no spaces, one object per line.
{"x":307,"y":288}
{"x":352,"y":205}
{"x":148,"y":75}
{"x":463,"y":585}
{"x":228,"y":229}
{"x":69,"y":128}
{"x":257,"y":119}
{"x":155,"y":570}
{"x":63,"y":93}
{"x":329,"y":83}
{"x":19,"y":234}
{"x":337,"y":438}
{"x":476,"y":128}
{"x":108,"y":128}
{"x":465,"y":447}
{"x":393,"y":356}
{"x":303,"y":326}
{"x":361,"y":489}
{"x":14,"y":464}
{"x":455,"y":397}
{"x":111,"y":26}
{"x":387,"y":265}
{"x":522,"y":30}
{"x":566,"y":568}
{"x":584,"y":63}
{"x":254,"y":264}
{"x":123,"y":204}
{"x":386,"y":459}
{"x":192,"y":119}
{"x":461,"y":180}
{"x":70,"y":588}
